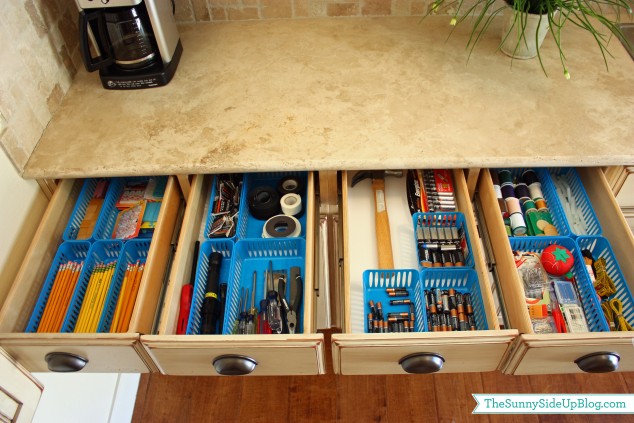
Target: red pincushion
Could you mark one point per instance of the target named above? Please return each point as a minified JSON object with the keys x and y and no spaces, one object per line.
{"x":557,"y":260}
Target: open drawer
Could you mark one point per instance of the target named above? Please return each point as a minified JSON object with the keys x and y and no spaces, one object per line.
{"x":596,"y":351}
{"x":88,"y":352}
{"x":357,"y":352}
{"x":270,"y":355}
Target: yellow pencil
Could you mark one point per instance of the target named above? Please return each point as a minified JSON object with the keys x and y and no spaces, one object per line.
{"x":67,"y":294}
{"x":133,"y":293}
{"x":48,"y":309}
{"x":55,"y":315}
{"x":126,"y":296}
{"x":117,"y":310}
{"x":94,"y":278}
{"x":101,"y":298}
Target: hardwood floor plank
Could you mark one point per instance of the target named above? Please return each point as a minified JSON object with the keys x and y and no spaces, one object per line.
{"x":141,"y":395}
{"x":313,"y":398}
{"x":411,"y":398}
{"x":498,"y":383}
{"x":361,"y":399}
{"x":454,"y":401}
{"x":264,"y":399}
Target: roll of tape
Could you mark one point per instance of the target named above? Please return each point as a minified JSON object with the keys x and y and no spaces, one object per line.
{"x":518,"y":225}
{"x":513,"y":205}
{"x":282,"y":226}
{"x":264,"y":202}
{"x":290,"y":185}
{"x":291,"y":204}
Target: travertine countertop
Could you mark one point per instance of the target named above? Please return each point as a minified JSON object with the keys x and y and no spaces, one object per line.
{"x":347,"y":94}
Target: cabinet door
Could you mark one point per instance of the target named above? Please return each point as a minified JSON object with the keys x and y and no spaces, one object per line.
{"x":19,"y":391}
{"x":356,"y":352}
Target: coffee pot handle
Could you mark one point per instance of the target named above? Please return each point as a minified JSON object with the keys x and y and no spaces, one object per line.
{"x":93,"y":23}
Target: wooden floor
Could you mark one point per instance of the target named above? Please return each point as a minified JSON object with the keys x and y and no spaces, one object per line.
{"x":331,"y":398}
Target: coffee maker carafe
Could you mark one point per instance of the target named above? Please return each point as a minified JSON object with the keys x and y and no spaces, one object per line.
{"x":135,"y":42}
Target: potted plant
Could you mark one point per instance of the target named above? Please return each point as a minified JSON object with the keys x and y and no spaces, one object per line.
{"x":527,"y":22}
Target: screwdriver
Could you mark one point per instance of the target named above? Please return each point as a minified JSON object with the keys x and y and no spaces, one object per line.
{"x":263,"y":323}
{"x":242,"y":327}
{"x":252,"y":311}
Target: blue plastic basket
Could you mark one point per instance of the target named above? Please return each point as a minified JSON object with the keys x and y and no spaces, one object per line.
{"x":444,"y":220}
{"x":578,"y":195}
{"x":464,"y":281}
{"x":75,"y":251}
{"x":600,"y":247}
{"x":100,"y":252}
{"x":81,"y":205}
{"x":223,"y":246}
{"x":550,"y":196}
{"x":591,"y":306}
{"x":250,"y":227}
{"x":254,"y":255}
{"x":375,"y":283}
{"x":135,"y":250}
{"x":242,"y":207}
{"x":109,"y":212}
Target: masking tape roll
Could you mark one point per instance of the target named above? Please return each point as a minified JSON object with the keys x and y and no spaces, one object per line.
{"x":282,"y":226}
{"x":291,"y":204}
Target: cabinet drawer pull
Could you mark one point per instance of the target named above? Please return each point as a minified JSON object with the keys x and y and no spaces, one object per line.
{"x":599,"y":362}
{"x":65,"y":362}
{"x":234,"y":365}
{"x":421,"y":363}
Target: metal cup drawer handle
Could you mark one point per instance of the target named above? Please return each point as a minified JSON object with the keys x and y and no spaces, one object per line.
{"x":599,"y":362}
{"x":234,"y":365}
{"x":421,"y":363}
{"x":64,"y":362}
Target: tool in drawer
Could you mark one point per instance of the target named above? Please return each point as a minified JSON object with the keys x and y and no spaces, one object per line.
{"x":211,"y":303}
{"x":382,"y":223}
{"x":186,"y":295}
{"x":297,"y":289}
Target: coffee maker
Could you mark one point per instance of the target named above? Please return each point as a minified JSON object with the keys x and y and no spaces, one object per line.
{"x":135,"y":43}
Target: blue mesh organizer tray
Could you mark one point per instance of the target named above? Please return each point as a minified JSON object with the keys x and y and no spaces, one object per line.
{"x":600,"y":248}
{"x":463,"y":281}
{"x":439,"y":224}
{"x":223,"y":246}
{"x":75,"y":251}
{"x":81,"y":206}
{"x":250,"y":227}
{"x":591,"y":306}
{"x":375,"y":285}
{"x":254,"y":255}
{"x":572,"y":202}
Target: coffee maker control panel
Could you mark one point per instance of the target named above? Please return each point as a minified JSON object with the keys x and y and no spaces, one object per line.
{"x":94,"y":4}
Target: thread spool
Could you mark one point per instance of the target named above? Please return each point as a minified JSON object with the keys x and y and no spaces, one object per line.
{"x":522,"y":192}
{"x":502,"y":205}
{"x":507,"y":226}
{"x":508,"y":191}
{"x":506,"y":178}
{"x":518,"y":225}
{"x":291,"y":204}
{"x":281,"y":226}
{"x":529,"y":206}
{"x":530,"y":177}
{"x":535,"y":191}
{"x":541,"y":205}
{"x":513,"y":205}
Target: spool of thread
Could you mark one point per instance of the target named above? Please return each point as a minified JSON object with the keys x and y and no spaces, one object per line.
{"x":506,"y":178}
{"x":291,"y":204}
{"x":507,"y":226}
{"x":281,"y":226}
{"x":513,"y":205}
{"x":530,"y":177}
{"x":495,"y":178}
{"x":541,"y":205}
{"x":529,"y":206}
{"x":496,"y":185}
{"x":535,"y":191}
{"x":502,"y":205}
{"x":518,"y":225}
{"x":508,"y":191}
{"x":521,"y":191}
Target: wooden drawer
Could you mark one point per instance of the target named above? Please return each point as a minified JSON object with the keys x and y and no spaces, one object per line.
{"x":557,"y":353}
{"x":355,"y":352}
{"x":195,"y":354}
{"x":102,"y":352}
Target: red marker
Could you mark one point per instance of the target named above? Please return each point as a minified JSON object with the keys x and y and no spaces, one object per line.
{"x":186,"y":296}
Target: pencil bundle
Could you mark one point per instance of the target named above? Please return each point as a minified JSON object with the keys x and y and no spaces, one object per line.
{"x":95,"y":297}
{"x":59,"y":298}
{"x":127,"y":297}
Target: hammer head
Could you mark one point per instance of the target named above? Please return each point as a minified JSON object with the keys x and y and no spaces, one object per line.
{"x":374,"y":174}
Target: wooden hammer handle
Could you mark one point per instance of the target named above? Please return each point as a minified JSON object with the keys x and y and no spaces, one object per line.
{"x":383,"y":236}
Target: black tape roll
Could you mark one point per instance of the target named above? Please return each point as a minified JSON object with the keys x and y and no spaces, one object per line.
{"x":281,"y":226}
{"x":264,"y":202}
{"x":290,"y":185}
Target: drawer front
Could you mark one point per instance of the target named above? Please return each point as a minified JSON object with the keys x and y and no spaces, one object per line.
{"x":355,"y":352}
{"x":105,"y":352}
{"x":94,"y":353}
{"x":557,"y":353}
{"x":193,"y":354}
{"x":274,"y":355}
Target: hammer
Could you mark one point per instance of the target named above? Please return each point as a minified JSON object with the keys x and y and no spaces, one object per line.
{"x":382,"y":223}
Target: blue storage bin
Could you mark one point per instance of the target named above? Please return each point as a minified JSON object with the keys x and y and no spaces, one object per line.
{"x":591,"y":306}
{"x":250,"y":227}
{"x":100,"y":252}
{"x":108,"y":217}
{"x":550,"y":196}
{"x":464,"y":281}
{"x":588,"y":222}
{"x":254,"y":255}
{"x":443,"y":220}
{"x":223,"y":246}
{"x":81,"y":205}
{"x":134,"y":250}
{"x":242,"y":209}
{"x":600,"y":247}
{"x":75,"y":251}
{"x":375,"y":283}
